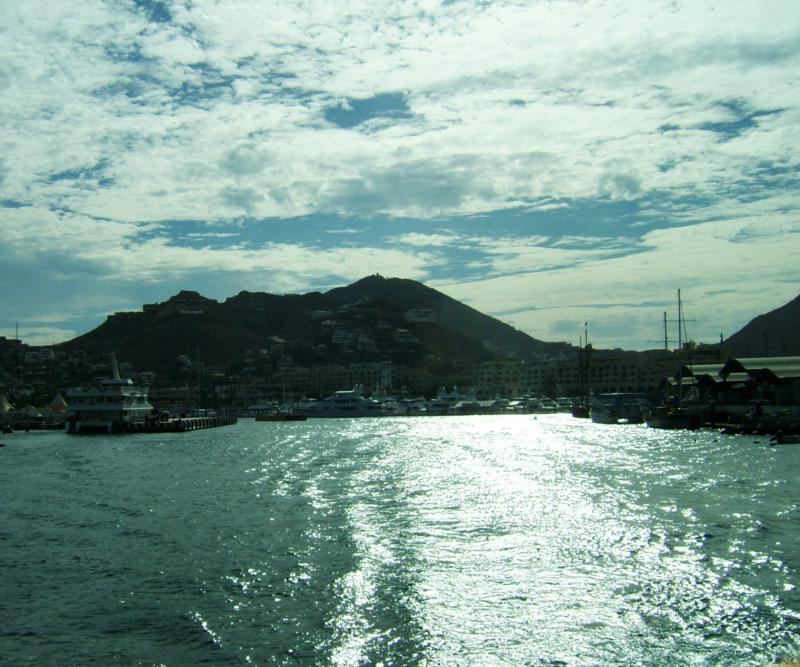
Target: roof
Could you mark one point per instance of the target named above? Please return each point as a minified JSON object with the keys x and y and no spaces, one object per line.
{"x":742,"y":369}
{"x":705,"y":369}
{"x":778,"y":367}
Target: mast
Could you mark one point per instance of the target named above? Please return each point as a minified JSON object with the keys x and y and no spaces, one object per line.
{"x":683,"y":355}
{"x":580,"y":368}
{"x":200,"y":402}
{"x":587,"y":361}
{"x":115,"y":367}
{"x":19,"y":361}
{"x":283,"y":379}
{"x":680,"y":352}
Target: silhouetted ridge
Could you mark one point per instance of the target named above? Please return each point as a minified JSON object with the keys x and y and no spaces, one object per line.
{"x":773,"y":334}
{"x":388,"y":318}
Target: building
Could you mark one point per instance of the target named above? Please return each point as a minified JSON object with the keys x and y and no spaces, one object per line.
{"x":609,"y":371}
{"x":502,"y":377}
{"x":421,"y":315}
{"x":771,"y":381}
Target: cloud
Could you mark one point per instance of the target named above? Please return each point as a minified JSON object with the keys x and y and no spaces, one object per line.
{"x":619,"y":182}
{"x":422,"y":189}
{"x":71,"y":268}
{"x":625,"y":295}
{"x":429,"y":240}
{"x":245,"y":159}
{"x":528,"y":148}
{"x":467,"y":132}
{"x":241,"y":199}
{"x":36,"y":335}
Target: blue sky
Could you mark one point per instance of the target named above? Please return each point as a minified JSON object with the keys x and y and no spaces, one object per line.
{"x":548,"y":163}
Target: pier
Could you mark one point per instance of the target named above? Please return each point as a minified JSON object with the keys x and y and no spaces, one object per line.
{"x":181,"y":424}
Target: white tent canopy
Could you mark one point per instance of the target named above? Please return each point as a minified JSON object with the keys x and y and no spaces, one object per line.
{"x":5,"y":406}
{"x":57,"y":406}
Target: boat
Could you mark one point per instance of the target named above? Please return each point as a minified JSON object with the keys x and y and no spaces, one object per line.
{"x":346,"y":403}
{"x":580,"y":410}
{"x":674,"y":417}
{"x":114,"y":405}
{"x":785,"y":439}
{"x":618,"y":408}
{"x":581,"y":405}
{"x":676,"y":413}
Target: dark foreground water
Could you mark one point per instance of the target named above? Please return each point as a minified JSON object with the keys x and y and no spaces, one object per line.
{"x":434,"y":541}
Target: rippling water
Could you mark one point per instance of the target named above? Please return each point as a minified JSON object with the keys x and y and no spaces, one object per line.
{"x":435,"y":541}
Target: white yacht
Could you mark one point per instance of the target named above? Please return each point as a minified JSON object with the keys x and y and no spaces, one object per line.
{"x":349,"y":403}
{"x":112,"y":406}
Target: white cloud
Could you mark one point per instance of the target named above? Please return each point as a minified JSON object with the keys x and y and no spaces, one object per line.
{"x":730,"y":271}
{"x":429,"y":240}
{"x":587,"y":121}
{"x":686,"y":111}
{"x":40,"y":335}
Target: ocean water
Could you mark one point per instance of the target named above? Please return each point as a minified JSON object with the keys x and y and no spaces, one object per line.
{"x":513,"y":540}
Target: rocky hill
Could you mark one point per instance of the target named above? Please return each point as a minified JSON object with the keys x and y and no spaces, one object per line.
{"x":773,"y":334}
{"x":373,"y":319}
{"x":409,"y":294}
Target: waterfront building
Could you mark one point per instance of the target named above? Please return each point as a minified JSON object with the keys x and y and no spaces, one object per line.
{"x":610,"y":371}
{"x":501,"y":377}
{"x":770,"y":381}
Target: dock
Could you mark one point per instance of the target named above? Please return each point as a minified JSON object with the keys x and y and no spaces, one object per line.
{"x":181,"y":424}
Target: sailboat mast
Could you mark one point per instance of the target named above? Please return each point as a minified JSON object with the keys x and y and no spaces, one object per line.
{"x":581,"y":362}
{"x":115,"y":367}
{"x":588,"y":384}
{"x":283,"y":380}
{"x":19,"y":390}
{"x":681,"y":326}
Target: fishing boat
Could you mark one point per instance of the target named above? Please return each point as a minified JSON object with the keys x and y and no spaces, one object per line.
{"x":114,"y":405}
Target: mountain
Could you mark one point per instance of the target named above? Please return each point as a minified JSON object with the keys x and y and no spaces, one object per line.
{"x":408,"y":294}
{"x":366,"y":321}
{"x":774,"y":334}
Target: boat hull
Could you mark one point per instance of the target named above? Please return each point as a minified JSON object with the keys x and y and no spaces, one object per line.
{"x":678,"y":419}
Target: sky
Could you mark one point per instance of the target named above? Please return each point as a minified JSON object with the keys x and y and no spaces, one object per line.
{"x":548,"y":163}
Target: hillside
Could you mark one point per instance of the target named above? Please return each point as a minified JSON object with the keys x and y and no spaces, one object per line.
{"x":407,"y":294}
{"x":365,"y":321}
{"x":773,"y":334}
